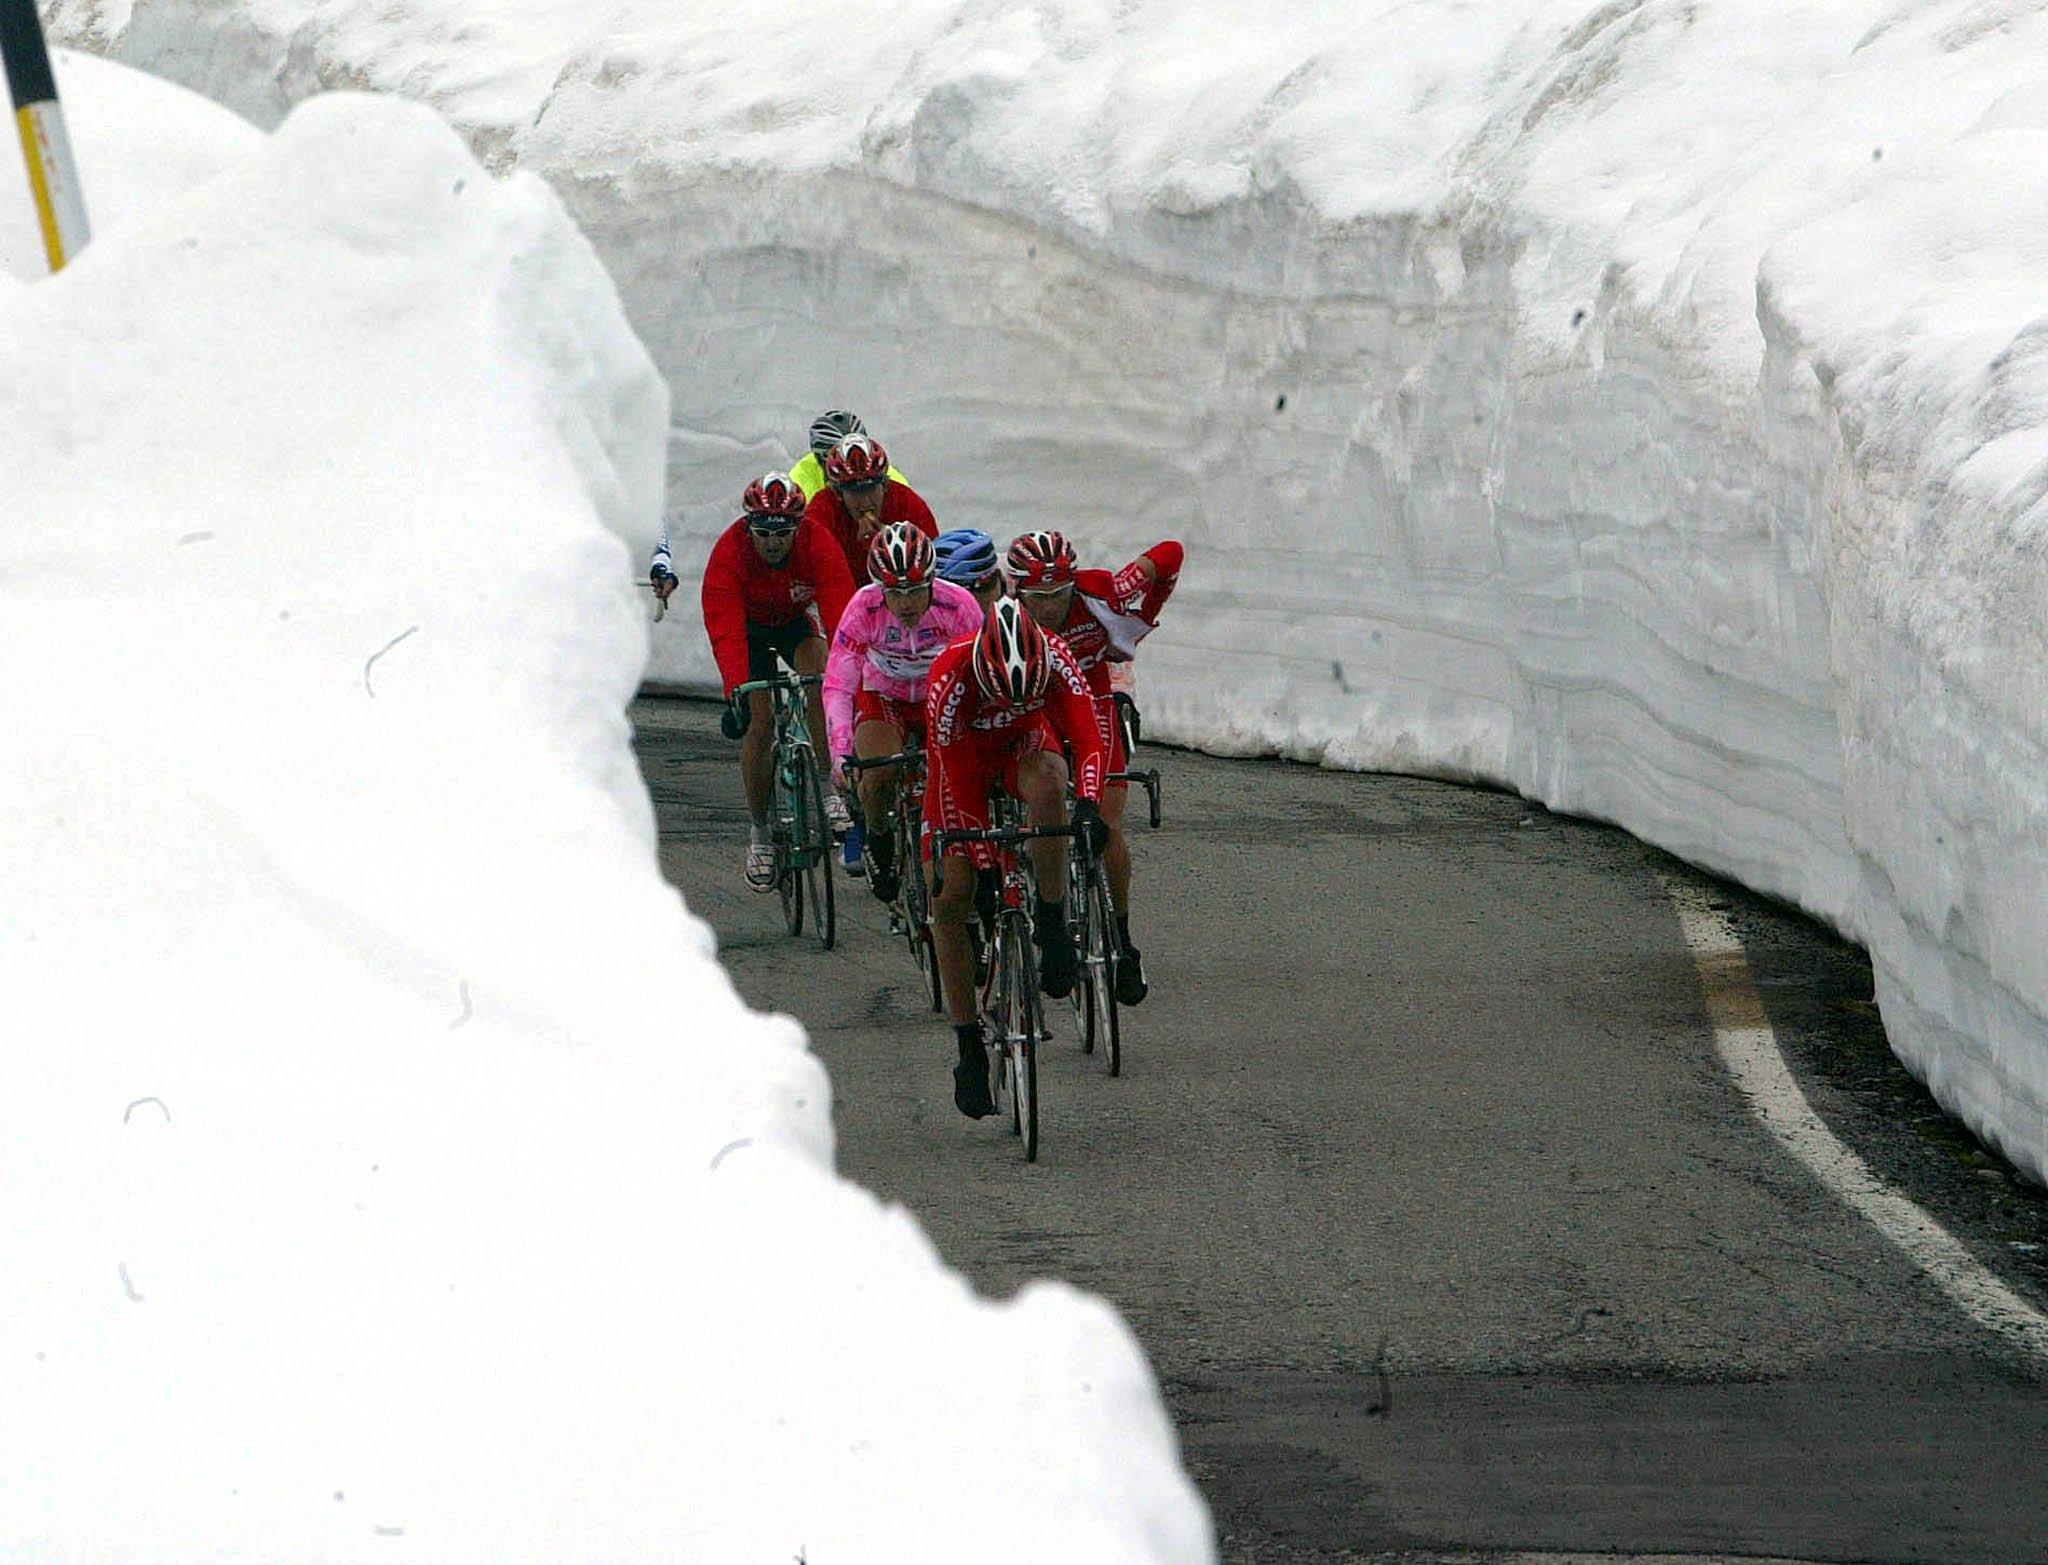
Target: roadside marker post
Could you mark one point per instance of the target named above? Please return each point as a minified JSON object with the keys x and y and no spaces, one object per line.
{"x":52,"y":172}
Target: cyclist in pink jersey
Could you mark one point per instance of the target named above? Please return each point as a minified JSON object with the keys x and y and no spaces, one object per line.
{"x":890,"y":634}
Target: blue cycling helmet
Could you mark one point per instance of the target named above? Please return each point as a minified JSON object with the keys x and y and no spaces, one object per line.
{"x":966,"y":556}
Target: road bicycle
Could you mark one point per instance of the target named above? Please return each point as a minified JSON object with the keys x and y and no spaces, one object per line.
{"x":1012,"y":1014}
{"x":797,"y":828}
{"x":910,"y":914}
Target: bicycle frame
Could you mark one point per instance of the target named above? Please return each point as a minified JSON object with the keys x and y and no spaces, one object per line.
{"x":796,"y":820}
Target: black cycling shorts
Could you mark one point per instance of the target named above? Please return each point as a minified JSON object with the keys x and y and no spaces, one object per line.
{"x":765,"y":643}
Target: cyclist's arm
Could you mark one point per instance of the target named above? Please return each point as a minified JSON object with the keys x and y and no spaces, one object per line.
{"x":828,"y":573}
{"x":849,"y":653}
{"x":1151,"y":578}
{"x":725,"y":612}
{"x":1071,"y":705}
{"x":946,"y":712}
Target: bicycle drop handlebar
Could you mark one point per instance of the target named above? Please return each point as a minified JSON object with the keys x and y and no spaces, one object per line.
{"x":778,"y":682}
{"x":999,"y":836}
{"x":873,"y":762}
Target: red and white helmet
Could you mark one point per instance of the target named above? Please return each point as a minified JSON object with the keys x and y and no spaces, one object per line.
{"x":1012,"y":662}
{"x":901,"y":556}
{"x":858,"y":459}
{"x":1040,"y":560}
{"x":773,"y":494}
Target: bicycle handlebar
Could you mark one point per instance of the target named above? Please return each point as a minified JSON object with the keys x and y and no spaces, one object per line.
{"x":942,"y":840}
{"x":777,"y":682}
{"x":1000,"y":835}
{"x":1149,"y":781}
{"x":902,"y":757}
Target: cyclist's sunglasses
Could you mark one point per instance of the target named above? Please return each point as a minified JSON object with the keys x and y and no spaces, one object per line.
{"x":771,"y":526}
{"x":1061,"y":590}
{"x":864,"y":488}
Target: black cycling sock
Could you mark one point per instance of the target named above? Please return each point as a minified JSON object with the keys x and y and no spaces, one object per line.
{"x":968,"y":1035}
{"x":1050,"y":916}
{"x":1123,"y":931}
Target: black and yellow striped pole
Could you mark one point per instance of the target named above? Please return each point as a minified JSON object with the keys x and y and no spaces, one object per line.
{"x":52,"y":174}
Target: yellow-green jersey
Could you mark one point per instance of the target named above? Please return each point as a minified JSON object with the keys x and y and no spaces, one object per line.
{"x":809,"y":475}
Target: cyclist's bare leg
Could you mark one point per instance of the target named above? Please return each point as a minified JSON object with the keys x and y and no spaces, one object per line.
{"x":1116,"y":858}
{"x":878,"y":787}
{"x":952,"y":907}
{"x":1042,"y":778}
{"x":757,"y":748}
{"x":810,"y":659}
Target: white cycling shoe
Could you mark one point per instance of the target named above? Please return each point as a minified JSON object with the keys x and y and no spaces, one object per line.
{"x":836,"y":816}
{"x":761,"y":866}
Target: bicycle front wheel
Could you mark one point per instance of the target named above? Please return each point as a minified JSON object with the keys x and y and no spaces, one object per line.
{"x":787,"y":828}
{"x":915,"y":899}
{"x":1089,"y":978}
{"x":1020,"y":1031}
{"x":1103,"y":962}
{"x":816,"y":853}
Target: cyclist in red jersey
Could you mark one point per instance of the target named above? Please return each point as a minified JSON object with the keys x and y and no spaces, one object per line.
{"x":860,"y":499}
{"x":775,"y":585}
{"x":999,"y":708}
{"x":1101,"y":616}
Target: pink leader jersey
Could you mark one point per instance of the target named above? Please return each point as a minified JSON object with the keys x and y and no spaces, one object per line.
{"x":873,"y":649}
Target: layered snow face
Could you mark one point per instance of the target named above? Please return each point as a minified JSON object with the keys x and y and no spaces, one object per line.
{"x":1660,"y":376}
{"x":391,"y":1172}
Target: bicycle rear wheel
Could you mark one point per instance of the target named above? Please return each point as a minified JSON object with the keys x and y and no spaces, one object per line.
{"x":816,"y":853}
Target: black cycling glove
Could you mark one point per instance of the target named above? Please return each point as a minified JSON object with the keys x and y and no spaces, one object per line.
{"x":1089,"y":823}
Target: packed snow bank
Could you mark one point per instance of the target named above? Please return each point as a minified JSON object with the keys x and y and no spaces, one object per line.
{"x":391,"y":1173}
{"x":1630,"y":402}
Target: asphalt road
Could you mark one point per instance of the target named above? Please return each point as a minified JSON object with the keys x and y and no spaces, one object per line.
{"x":1428,"y":1196}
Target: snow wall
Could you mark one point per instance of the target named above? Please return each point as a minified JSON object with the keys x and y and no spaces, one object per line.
{"x":389,"y":1171}
{"x":1637,"y":404}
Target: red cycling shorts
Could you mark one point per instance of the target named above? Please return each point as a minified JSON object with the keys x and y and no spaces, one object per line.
{"x":1112,"y":738}
{"x":870,"y":707}
{"x":959,"y":780}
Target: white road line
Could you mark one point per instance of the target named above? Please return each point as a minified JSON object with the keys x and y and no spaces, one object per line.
{"x":1748,"y":1046}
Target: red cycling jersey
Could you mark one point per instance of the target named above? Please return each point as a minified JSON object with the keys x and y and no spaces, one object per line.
{"x":972,"y":743}
{"x":1112,"y":612}
{"x":742,"y":589}
{"x":900,"y":503}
